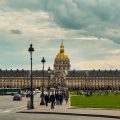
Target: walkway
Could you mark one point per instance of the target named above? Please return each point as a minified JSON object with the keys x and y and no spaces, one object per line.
{"x":66,"y":110}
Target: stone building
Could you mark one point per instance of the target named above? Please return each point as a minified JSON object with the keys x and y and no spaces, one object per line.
{"x":62,"y":76}
{"x":61,"y":68}
{"x":21,"y":78}
{"x":93,"y":79}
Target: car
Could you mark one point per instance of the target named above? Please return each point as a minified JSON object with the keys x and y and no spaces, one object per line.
{"x":17,"y":97}
{"x":37,"y":91}
{"x":28,"y":94}
{"x":23,"y":94}
{"x":34,"y":92}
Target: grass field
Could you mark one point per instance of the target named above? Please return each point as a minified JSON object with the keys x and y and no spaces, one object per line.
{"x":95,"y":101}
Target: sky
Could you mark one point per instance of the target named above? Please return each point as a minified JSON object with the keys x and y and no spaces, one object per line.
{"x":90,"y":30}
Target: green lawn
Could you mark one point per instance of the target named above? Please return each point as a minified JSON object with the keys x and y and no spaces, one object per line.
{"x":95,"y":101}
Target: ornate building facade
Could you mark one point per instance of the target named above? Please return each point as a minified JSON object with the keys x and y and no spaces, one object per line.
{"x":62,"y":76}
{"x":61,"y":68}
{"x":62,"y":61}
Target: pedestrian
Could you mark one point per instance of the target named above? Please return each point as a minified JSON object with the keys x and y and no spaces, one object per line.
{"x":61,"y":98}
{"x":66,"y":97}
{"x":57,"y":98}
{"x":52,"y":99}
{"x":42,"y":96}
{"x":46,"y":100}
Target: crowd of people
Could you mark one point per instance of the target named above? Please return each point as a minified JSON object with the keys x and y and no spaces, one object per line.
{"x":56,"y":99}
{"x":98,"y":92}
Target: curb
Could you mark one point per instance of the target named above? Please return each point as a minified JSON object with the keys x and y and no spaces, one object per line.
{"x":74,"y":114}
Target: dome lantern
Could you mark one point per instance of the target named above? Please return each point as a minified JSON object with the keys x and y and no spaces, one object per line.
{"x":62,"y":61}
{"x":62,"y":47}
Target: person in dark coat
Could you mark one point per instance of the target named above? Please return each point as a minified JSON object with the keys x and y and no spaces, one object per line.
{"x":61,"y":98}
{"x":66,"y":97}
{"x":46,"y":100}
{"x":52,"y":99}
{"x":57,"y":97}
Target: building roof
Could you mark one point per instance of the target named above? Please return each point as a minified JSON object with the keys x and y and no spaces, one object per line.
{"x":94,"y":73}
{"x":22,"y":73}
{"x":61,"y":56}
{"x":72,"y":73}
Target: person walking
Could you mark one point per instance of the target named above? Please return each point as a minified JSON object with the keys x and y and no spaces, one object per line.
{"x":46,"y":100}
{"x":52,"y":99}
{"x":57,"y":97}
{"x":66,"y":97}
{"x":61,"y":98}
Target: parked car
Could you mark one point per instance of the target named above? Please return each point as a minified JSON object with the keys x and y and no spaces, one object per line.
{"x":23,"y":94}
{"x":17,"y":97}
{"x":37,"y":91}
{"x":28,"y":94}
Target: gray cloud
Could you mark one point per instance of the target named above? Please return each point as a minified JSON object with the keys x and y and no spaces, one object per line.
{"x":15,"y":31}
{"x":94,"y":17}
{"x":89,"y":17}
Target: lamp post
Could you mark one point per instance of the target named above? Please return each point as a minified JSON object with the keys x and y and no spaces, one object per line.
{"x":49,"y":71}
{"x":42,"y":95}
{"x":31,"y":49}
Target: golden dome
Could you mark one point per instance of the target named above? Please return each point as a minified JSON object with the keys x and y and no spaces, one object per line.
{"x":61,"y":55}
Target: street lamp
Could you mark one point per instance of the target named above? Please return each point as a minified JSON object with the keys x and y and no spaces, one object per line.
{"x":31,"y":49}
{"x":42,"y":95}
{"x":49,"y":71}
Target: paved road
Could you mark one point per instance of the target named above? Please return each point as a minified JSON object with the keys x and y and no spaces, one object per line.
{"x":9,"y":109}
{"x":8,"y":105}
{"x":22,"y":116}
